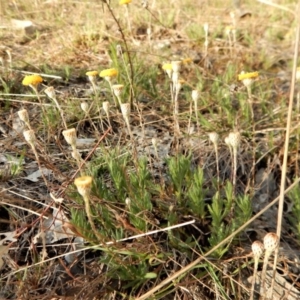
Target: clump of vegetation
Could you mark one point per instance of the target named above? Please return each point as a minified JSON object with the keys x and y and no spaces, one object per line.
{"x":143,"y":151}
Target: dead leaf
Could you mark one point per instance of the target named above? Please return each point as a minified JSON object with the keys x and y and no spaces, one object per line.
{"x":34,"y":177}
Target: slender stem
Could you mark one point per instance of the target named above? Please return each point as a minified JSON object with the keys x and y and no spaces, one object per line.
{"x":286,"y":146}
{"x":91,"y":221}
{"x":176,"y":112}
{"x":196,"y":112}
{"x":190,"y":117}
{"x":61,"y":112}
{"x":254,"y":278}
{"x":39,"y":164}
{"x":263,"y":273}
{"x":235,"y":153}
{"x":113,"y":94}
{"x":126,"y":48}
{"x":217,"y":163}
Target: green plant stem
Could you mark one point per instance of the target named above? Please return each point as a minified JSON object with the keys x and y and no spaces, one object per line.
{"x":90,"y":218}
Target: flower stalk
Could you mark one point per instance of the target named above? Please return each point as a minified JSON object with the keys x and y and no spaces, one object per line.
{"x":84,"y":186}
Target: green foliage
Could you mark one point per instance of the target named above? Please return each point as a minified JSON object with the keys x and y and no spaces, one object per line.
{"x":227,"y":215}
{"x":294,"y":217}
{"x":14,"y":167}
{"x":196,"y":194}
{"x":140,"y":198}
{"x":215,"y":276}
{"x":117,"y":170}
{"x":179,"y":168}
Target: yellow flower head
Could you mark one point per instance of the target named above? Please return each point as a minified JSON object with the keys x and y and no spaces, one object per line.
{"x":187,"y":60}
{"x":251,"y":75}
{"x":124,"y":2}
{"x":33,"y":80}
{"x":84,"y":185}
{"x":229,"y":29}
{"x":109,"y":73}
{"x":167,"y":67}
{"x":91,"y":73}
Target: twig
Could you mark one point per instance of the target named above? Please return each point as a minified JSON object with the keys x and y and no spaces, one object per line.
{"x":286,"y":146}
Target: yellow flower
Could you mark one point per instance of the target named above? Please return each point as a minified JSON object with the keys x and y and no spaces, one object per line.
{"x":33,"y":80}
{"x":187,"y":60}
{"x":124,"y":2}
{"x":167,"y":67}
{"x":229,"y":29}
{"x":251,"y":75}
{"x":108,"y":73}
{"x":91,"y":73}
{"x":84,"y":185}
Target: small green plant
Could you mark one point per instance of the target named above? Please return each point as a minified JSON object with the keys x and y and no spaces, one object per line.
{"x":294,"y":216}
{"x":196,"y":195}
{"x":180,"y":170}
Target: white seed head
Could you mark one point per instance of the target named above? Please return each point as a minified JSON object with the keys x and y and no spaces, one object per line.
{"x":205,"y":27}
{"x":145,"y":3}
{"x":70,"y":136}
{"x":227,"y":142}
{"x":271,"y":241}
{"x":176,"y":65}
{"x":154,"y":142}
{"x":23,"y":115}
{"x":84,"y":106}
{"x":127,"y":202}
{"x":234,"y":139}
{"x":247,"y":81}
{"x":117,"y":89}
{"x":125,"y":109}
{"x":29,"y":136}
{"x":105,"y":106}
{"x":214,"y":137}
{"x":84,"y":185}
{"x":178,"y":85}
{"x":195,"y":95}
{"x":50,"y":92}
{"x":257,"y":249}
